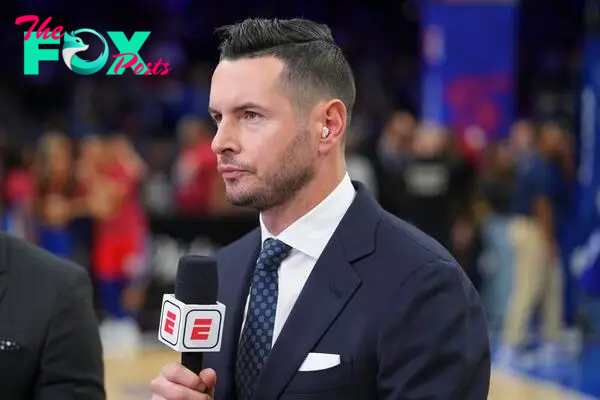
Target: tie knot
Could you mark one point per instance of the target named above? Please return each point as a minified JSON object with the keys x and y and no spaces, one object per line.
{"x":273,"y":253}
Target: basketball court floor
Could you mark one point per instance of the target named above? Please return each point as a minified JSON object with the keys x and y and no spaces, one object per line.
{"x":128,"y":377}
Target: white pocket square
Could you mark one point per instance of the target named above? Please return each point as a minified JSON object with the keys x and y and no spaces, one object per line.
{"x":319,"y":361}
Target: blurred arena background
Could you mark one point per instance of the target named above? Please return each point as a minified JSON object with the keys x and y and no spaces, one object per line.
{"x":452,"y":96}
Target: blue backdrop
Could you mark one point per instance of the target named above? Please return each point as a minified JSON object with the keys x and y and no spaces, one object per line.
{"x":468,"y":64}
{"x":585,"y":227}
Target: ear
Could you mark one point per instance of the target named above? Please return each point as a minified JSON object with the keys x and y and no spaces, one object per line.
{"x":332,"y":125}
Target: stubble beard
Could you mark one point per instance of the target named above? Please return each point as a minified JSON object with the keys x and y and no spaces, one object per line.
{"x":293,"y":171}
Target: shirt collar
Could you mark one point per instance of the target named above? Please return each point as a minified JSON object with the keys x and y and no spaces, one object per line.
{"x":311,"y":233}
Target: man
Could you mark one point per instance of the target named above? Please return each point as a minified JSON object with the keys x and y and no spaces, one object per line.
{"x":49,"y":343}
{"x":522,"y":137}
{"x":343,"y":301}
{"x":433,"y":185}
{"x":537,"y":277}
{"x":392,"y":154}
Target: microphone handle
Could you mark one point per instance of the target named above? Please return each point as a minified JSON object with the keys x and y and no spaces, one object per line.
{"x":192,"y":361}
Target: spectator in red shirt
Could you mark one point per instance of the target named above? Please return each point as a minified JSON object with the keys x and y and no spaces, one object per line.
{"x":120,"y":224}
{"x":198,"y":186}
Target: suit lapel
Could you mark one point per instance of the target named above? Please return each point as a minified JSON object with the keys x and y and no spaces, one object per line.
{"x":330,"y":286}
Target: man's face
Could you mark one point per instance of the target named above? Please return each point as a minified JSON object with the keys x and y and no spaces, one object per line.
{"x":92,"y":150}
{"x":265,"y":150}
{"x":504,"y":156}
{"x":401,"y":127}
{"x":522,"y":136}
{"x":551,"y":139}
{"x":58,"y":153}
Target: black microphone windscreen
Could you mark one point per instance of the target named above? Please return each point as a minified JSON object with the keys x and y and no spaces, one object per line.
{"x":197,"y":280}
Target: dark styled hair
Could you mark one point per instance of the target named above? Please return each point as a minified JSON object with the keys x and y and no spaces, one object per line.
{"x":315,"y":66}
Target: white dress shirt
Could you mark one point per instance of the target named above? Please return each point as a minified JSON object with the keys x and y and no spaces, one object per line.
{"x":308,"y":236}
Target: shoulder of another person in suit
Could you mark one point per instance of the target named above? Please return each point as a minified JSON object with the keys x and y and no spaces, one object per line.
{"x":39,"y":264}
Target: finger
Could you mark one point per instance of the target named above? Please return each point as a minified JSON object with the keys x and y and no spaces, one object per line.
{"x":177,"y":373}
{"x":208,"y":377}
{"x":166,"y":390}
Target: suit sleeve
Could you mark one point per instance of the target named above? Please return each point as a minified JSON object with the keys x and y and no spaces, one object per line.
{"x":72,"y":365}
{"x":435,"y":346}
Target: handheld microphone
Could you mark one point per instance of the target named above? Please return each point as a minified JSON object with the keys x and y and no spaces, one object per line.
{"x":191,"y":321}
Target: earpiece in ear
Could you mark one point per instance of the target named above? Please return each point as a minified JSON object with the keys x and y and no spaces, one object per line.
{"x":325,"y":132}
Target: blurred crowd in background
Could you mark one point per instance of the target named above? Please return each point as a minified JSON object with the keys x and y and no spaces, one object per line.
{"x":88,"y":162}
{"x":89,"y":199}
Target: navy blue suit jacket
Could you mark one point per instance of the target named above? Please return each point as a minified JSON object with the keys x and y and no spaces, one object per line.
{"x":391,"y":301}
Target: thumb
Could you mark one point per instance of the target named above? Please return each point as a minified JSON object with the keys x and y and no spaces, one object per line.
{"x":208,"y":377}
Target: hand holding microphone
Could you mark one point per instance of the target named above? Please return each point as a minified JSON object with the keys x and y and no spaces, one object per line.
{"x":191,"y":322}
{"x":176,"y":382}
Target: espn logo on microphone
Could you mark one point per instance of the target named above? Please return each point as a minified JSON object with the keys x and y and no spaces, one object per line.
{"x":190,"y":327}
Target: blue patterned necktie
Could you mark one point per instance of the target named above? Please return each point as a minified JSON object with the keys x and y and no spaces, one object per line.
{"x":257,"y":335}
